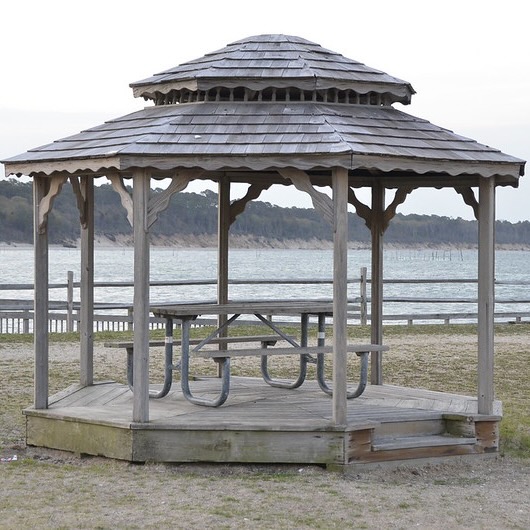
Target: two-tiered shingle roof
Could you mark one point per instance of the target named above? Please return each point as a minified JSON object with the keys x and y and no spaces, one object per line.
{"x":268,"y":102}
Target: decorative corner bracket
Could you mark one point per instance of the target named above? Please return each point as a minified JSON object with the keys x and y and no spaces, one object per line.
{"x":125,"y":197}
{"x":469,"y":198}
{"x":366,"y":213}
{"x":363,"y":211}
{"x":81,"y":198}
{"x":239,"y":205}
{"x":46,"y":203}
{"x":321,"y":202}
{"x":399,"y":198}
{"x":158,"y":203}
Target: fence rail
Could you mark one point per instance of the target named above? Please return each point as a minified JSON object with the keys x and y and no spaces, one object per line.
{"x":16,"y":315}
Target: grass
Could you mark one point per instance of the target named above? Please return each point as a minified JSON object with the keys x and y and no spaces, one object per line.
{"x":437,"y":357}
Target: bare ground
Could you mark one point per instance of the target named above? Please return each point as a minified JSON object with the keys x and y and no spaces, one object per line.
{"x":54,"y":490}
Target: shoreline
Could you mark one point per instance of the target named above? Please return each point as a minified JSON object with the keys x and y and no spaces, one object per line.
{"x":209,"y":242}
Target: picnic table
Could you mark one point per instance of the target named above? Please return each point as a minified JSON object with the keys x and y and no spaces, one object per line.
{"x":263,"y":311}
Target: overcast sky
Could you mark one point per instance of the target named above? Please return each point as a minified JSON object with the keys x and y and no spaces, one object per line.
{"x":66,"y":66}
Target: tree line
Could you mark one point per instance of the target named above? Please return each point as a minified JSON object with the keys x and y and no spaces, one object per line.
{"x":195,"y":214}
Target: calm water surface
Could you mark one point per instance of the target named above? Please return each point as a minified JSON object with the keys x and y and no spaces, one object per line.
{"x":116,"y":264}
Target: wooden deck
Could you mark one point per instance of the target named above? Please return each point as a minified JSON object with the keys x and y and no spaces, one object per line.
{"x":262,"y":424}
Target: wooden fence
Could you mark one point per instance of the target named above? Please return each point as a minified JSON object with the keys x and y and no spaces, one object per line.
{"x":16,"y":315}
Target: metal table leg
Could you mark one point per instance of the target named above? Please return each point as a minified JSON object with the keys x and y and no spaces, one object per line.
{"x":303,"y":359}
{"x":168,"y":367}
{"x":224,"y":363}
{"x":321,"y":378}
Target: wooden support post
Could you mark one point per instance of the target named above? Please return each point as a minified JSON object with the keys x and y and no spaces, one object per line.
{"x":377,"y":230}
{"x":70,"y":301}
{"x":86,"y":316}
{"x":340,"y":294}
{"x":223,"y":240}
{"x":141,"y":297}
{"x":486,"y":294}
{"x":40,"y":322}
{"x":223,"y":230}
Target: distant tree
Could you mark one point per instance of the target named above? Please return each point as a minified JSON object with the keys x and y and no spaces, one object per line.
{"x":196,"y":214}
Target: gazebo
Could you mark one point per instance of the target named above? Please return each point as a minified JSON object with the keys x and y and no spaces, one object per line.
{"x":265,"y":110}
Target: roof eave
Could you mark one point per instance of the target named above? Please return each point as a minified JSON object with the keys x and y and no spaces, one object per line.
{"x":94,"y":165}
{"x":507,"y":173}
{"x":401,"y":93}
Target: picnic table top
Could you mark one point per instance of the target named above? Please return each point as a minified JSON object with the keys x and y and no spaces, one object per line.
{"x":262,"y":307}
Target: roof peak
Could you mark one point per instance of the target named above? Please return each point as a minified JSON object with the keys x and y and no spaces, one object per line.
{"x":274,"y":37}
{"x":267,"y":61}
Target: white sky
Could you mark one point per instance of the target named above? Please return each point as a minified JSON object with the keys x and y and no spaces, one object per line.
{"x":66,"y":66}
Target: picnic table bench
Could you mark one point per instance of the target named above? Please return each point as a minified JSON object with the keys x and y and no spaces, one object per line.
{"x":169,"y":342}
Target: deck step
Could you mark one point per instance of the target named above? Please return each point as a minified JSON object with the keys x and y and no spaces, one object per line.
{"x":400,"y":427}
{"x":416,"y":442}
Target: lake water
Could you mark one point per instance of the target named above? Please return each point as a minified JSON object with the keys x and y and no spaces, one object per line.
{"x":116,"y":265}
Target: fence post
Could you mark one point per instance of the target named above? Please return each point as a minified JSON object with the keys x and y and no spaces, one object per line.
{"x":130,"y":318}
{"x":70,"y":302}
{"x":364,"y":303}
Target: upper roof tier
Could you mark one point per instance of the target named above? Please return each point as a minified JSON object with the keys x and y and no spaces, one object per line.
{"x":274,"y":68}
